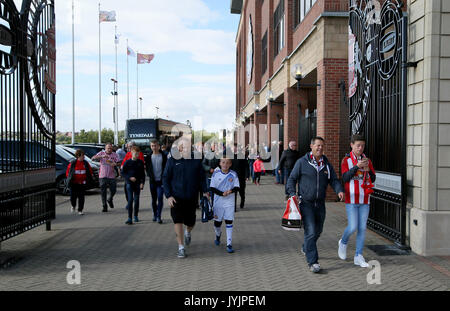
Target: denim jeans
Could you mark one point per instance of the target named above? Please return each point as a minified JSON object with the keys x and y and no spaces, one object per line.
{"x":287,"y":172}
{"x":157,"y":191}
{"x":133,"y":192}
{"x":313,"y":215}
{"x":252,"y":173}
{"x":357,"y":215}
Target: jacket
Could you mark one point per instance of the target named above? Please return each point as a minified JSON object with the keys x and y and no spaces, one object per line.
{"x":258,"y":166}
{"x":209,"y":164}
{"x":71,"y":172}
{"x":312,"y":185}
{"x":288,"y":159}
{"x":184,"y":178}
{"x":240,"y":166}
{"x":149,"y":165}
{"x":134,"y":168}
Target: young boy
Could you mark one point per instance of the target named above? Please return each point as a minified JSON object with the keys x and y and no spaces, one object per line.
{"x":224,"y":184}
{"x":354,"y":167}
{"x":258,"y":168}
{"x":134,"y":174}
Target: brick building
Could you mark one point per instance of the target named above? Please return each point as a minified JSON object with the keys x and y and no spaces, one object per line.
{"x":278,"y":39}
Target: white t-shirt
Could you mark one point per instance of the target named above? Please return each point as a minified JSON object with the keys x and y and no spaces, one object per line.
{"x":224,"y":182}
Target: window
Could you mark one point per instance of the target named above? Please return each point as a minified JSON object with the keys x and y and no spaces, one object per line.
{"x":264,"y":54}
{"x":301,"y":8}
{"x":278,"y":22}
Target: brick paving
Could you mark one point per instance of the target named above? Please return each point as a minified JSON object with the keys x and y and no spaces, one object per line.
{"x":114,"y":256}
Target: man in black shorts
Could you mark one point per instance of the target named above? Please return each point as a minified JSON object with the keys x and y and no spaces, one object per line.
{"x":183,"y":178}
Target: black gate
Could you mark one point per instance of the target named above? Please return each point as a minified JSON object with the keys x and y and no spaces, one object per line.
{"x":27,"y":116}
{"x":377,"y":103}
{"x":307,"y":129}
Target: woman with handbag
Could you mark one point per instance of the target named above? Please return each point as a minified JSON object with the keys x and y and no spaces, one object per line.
{"x":358,"y":174}
{"x":79,"y":174}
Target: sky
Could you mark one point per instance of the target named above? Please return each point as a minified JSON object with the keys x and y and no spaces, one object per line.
{"x":191,"y":77}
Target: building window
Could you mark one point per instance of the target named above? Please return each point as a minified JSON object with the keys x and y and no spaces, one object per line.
{"x":301,"y":8}
{"x":264,"y":54}
{"x":278,"y":22}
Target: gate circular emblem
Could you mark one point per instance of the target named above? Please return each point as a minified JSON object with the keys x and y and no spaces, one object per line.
{"x":9,"y":21}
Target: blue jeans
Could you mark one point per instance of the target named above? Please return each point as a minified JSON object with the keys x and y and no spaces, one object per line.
{"x":313,"y":215}
{"x":252,"y":173}
{"x":357,"y":215}
{"x":157,"y":192}
{"x":133,"y":192}
{"x":287,"y":172}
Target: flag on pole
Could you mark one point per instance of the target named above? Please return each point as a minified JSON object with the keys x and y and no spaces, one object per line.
{"x":144,"y":58}
{"x":107,"y":16}
{"x":116,"y":38}
{"x":130,"y":52}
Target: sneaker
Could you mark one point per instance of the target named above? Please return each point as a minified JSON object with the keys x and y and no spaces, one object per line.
{"x":181,"y":253}
{"x":129,"y":222}
{"x":72,"y":209}
{"x":154,"y":218}
{"x":104,"y":210}
{"x":136,"y":219}
{"x":230,"y":249}
{"x":80,"y":213}
{"x":315,"y":268}
{"x":187,"y":239}
{"x":359,"y":261}
{"x":111,"y":204}
{"x":342,"y":251}
{"x":303,"y":252}
{"x":217,"y":240}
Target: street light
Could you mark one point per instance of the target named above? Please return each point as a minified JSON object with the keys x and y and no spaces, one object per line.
{"x":297,"y":74}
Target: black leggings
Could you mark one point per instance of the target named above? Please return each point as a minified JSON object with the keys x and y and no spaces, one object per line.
{"x":257,"y":177}
{"x":77,"y":192}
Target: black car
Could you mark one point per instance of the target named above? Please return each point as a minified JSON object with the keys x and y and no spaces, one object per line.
{"x":37,"y":155}
{"x":63,"y":158}
{"x":89,"y":149}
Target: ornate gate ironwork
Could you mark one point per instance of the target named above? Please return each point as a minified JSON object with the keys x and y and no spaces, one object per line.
{"x":27,"y":116}
{"x":377,"y":103}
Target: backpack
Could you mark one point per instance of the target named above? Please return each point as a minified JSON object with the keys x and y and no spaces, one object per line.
{"x":207,"y":210}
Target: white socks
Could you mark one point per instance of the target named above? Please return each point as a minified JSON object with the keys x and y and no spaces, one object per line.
{"x":229,"y":234}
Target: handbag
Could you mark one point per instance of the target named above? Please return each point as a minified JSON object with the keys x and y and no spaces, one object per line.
{"x":207,"y":210}
{"x":292,"y":218}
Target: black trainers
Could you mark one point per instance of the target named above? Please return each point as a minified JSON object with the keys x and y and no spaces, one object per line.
{"x":111,"y":204}
{"x":105,"y":209}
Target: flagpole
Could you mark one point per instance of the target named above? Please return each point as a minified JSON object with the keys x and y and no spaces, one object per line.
{"x":137,"y":84}
{"x":99,"y":81}
{"x":128,"y":86}
{"x":73,"y":72}
{"x":116,"y":97}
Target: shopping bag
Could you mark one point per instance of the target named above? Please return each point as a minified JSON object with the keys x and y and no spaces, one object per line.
{"x":292,"y":218}
{"x":207,"y":210}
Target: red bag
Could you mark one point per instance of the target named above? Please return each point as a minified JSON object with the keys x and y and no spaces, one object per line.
{"x":292,"y":218}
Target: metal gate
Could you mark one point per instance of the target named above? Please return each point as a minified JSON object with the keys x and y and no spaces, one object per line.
{"x":377,"y":103}
{"x":307,"y":129}
{"x":27,"y":116}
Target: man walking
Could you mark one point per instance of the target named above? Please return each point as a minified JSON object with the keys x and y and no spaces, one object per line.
{"x":109,"y":160}
{"x":240,"y":166}
{"x":183,"y":178}
{"x":313,"y":173}
{"x":155,"y":163}
{"x":287,"y":162}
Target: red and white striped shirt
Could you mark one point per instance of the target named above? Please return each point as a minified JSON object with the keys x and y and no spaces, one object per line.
{"x":354,"y":193}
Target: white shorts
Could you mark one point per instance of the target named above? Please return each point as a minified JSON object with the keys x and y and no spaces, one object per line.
{"x":223,"y":213}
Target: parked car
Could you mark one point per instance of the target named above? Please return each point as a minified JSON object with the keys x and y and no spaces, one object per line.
{"x":63,"y":158}
{"x":87,"y":158}
{"x":37,"y":155}
{"x":89,"y":149}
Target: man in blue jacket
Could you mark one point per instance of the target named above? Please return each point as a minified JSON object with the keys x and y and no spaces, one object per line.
{"x":183,"y":179}
{"x":313,"y":173}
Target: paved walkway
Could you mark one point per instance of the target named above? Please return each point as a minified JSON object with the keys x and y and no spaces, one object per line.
{"x":114,"y":256}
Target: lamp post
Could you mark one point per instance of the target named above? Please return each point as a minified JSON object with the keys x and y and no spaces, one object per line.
{"x":115,"y":116}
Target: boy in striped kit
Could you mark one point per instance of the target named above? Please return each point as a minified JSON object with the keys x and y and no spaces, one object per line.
{"x":224,"y":185}
{"x":356,"y":170}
